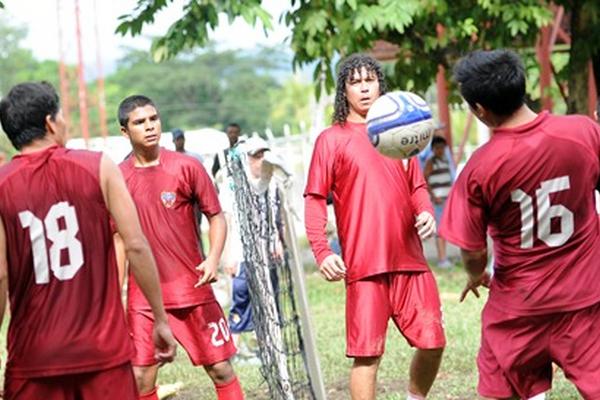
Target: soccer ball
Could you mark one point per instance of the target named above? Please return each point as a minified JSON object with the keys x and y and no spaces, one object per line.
{"x":399,"y":124}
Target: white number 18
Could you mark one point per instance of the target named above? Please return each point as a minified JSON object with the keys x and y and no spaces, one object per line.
{"x":61,"y":239}
{"x":545,"y":213}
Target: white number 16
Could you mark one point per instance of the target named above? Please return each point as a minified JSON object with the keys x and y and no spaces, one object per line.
{"x":545,"y":213}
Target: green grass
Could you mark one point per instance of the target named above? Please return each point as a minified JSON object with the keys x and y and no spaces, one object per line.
{"x":457,"y":378}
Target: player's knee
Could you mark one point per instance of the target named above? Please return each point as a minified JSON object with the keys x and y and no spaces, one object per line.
{"x":366,"y":362}
{"x":221,"y":372}
{"x":431,"y":354}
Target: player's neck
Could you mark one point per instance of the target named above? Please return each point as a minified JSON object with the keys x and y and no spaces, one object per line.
{"x":355,"y":117}
{"x":146,"y":157}
{"x":522,"y":116}
{"x":38,"y":145}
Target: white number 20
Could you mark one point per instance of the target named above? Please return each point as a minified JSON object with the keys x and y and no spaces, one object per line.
{"x":61,"y":239}
{"x":222,"y":328}
{"x":545,"y":213}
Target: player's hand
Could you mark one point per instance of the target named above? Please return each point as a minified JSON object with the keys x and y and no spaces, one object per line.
{"x":475,"y":282}
{"x":208,"y":268}
{"x":425,"y":225}
{"x":333,"y":268}
{"x":165,"y":346}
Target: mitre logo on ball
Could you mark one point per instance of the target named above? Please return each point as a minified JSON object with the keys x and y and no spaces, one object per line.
{"x":399,"y":124}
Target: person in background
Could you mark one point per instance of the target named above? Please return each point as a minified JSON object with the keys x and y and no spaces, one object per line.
{"x":233,"y":134}
{"x":179,"y":142}
{"x":439,"y":181}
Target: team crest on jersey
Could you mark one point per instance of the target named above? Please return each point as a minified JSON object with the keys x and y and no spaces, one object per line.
{"x":168,"y":199}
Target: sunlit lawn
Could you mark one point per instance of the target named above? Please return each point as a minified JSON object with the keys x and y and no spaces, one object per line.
{"x":457,"y":378}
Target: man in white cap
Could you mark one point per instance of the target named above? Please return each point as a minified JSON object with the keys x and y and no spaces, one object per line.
{"x":260,"y":167}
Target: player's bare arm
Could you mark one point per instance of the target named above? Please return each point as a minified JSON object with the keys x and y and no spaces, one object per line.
{"x":217,"y":233}
{"x":3,"y":272}
{"x":121,"y":207}
{"x":121,"y":259}
{"x":475,"y":263}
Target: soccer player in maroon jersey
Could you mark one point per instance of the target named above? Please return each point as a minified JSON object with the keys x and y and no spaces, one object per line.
{"x":166,"y":186}
{"x":531,"y":188}
{"x":382,"y":210}
{"x":67,"y":337}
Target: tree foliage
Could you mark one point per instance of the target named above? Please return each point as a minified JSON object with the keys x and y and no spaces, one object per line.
{"x":427,"y":32}
{"x":16,"y":63}
{"x":322,"y":30}
{"x":209,"y":88}
{"x":187,"y":32}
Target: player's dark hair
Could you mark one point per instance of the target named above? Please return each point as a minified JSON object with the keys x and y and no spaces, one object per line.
{"x":438,"y":140}
{"x":234,"y":125}
{"x":348,"y":66}
{"x":131,"y":103}
{"x":494,"y":79}
{"x":24,"y":109}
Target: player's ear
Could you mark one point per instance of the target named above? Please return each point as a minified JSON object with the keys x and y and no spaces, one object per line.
{"x":479,"y":111}
{"x":124,"y":132}
{"x":50,"y":124}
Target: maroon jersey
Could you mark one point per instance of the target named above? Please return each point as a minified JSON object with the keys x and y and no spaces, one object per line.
{"x":375,"y":198}
{"x":531,"y":188}
{"x":66,"y":312}
{"x":165,"y":196}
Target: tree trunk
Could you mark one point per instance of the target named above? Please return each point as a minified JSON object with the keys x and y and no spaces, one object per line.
{"x":577,"y":102}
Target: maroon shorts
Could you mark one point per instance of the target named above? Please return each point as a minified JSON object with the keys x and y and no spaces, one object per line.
{"x":517,"y":352}
{"x":411,"y":299}
{"x":113,"y":383}
{"x":201,"y":330}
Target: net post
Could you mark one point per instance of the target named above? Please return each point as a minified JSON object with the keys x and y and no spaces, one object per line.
{"x":312,"y":358}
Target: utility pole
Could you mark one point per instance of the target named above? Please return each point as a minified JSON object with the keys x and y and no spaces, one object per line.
{"x":83,"y":111}
{"x":100,"y":79}
{"x":62,"y":70}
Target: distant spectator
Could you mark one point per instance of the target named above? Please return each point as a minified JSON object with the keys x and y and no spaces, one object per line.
{"x":233,"y":134}
{"x":179,"y":142}
{"x":424,"y":155}
{"x":439,"y":181}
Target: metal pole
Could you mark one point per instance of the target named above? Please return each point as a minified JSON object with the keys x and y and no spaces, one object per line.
{"x":442,"y":96}
{"x":543,"y":50}
{"x":312,"y":358}
{"x":592,"y":93}
{"x":83,"y":111}
{"x":101,"y":92}
{"x":62,"y":70}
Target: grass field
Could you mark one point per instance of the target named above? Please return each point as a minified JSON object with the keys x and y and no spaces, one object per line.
{"x":457,"y":378}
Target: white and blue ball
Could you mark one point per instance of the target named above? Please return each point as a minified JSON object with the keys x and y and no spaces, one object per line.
{"x":400,"y":124}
